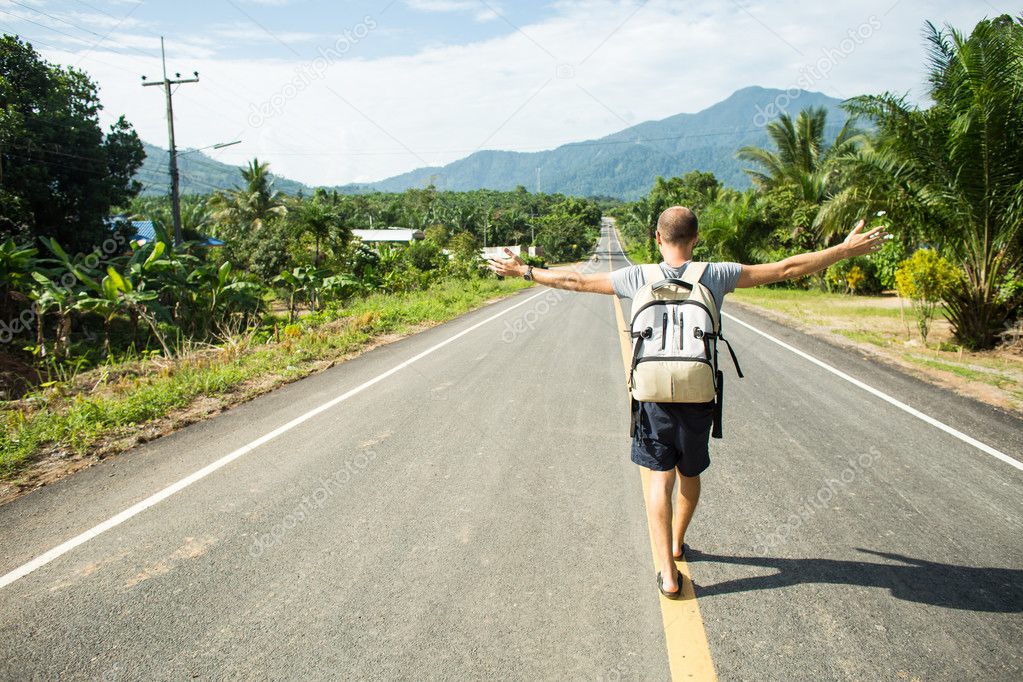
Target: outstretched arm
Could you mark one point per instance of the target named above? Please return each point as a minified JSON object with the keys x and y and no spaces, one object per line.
{"x":858,"y":243}
{"x":513,"y":266}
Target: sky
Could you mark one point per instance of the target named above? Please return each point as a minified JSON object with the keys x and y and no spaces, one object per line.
{"x":337,"y":92}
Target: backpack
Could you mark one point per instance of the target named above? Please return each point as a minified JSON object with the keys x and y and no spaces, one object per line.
{"x":675,"y":329}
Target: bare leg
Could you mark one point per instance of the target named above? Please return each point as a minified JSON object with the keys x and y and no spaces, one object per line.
{"x":688,"y":496}
{"x":662,"y":484}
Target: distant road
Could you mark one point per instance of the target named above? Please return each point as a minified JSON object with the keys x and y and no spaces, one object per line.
{"x":473,"y":514}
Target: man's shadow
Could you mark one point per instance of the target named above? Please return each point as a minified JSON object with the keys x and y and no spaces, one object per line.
{"x":998,"y":590}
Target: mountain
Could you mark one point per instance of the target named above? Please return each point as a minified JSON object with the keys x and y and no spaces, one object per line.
{"x":624,"y":164}
{"x":198,"y":174}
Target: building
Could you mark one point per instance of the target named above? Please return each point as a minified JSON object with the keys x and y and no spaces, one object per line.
{"x":498,"y":251}
{"x":145,"y":232}
{"x":389,"y":235}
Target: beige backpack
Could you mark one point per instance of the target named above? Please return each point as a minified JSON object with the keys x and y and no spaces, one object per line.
{"x":675,"y":329}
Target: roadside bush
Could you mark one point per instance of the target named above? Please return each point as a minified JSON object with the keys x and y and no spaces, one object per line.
{"x":424,"y":255}
{"x":535,"y":261}
{"x":438,"y":234}
{"x":853,"y":276}
{"x":466,"y":262}
{"x":925,"y":278}
{"x":887,"y":260}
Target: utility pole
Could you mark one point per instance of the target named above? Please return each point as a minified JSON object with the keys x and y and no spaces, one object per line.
{"x":166,"y":83}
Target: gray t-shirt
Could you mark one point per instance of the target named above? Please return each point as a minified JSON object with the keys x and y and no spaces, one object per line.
{"x":719,"y":278}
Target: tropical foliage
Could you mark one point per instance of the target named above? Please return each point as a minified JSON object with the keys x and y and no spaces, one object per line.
{"x":282,"y":257}
{"x":948,"y":177}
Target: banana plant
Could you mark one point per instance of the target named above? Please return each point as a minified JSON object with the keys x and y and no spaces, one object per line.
{"x":224,"y":297}
{"x":304,"y":281}
{"x":16,"y":262}
{"x":50,"y":296}
{"x":77,"y":266}
{"x":116,"y":294}
{"x":341,"y":287}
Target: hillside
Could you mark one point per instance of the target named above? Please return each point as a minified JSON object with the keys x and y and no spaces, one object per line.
{"x":199,"y":174}
{"x":625,"y":163}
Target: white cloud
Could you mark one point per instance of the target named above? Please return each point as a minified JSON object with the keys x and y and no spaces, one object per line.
{"x":481,"y":11}
{"x":248,"y":33}
{"x":587,"y":71}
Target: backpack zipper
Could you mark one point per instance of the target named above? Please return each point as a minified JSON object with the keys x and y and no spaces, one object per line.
{"x":680,"y":329}
{"x":664,"y":330}
{"x":673,"y":359}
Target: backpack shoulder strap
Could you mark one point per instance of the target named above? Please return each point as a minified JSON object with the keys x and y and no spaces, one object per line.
{"x":694,"y":271}
{"x":651,"y":273}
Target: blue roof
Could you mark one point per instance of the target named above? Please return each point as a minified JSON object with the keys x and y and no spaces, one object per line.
{"x":145,"y":232}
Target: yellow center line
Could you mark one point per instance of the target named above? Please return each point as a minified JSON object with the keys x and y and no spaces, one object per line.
{"x":688,"y":649}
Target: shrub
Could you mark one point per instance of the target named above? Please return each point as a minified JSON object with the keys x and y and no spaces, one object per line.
{"x":887,"y":260}
{"x":466,"y":262}
{"x":424,"y":255}
{"x":853,"y":276}
{"x":925,"y":278}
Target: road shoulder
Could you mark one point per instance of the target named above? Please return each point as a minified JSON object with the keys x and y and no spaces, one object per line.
{"x":988,"y":423}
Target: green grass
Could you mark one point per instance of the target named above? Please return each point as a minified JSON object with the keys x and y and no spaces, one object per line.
{"x":872,"y":338}
{"x":990,"y":378}
{"x":75,"y":422}
{"x":803,"y":301}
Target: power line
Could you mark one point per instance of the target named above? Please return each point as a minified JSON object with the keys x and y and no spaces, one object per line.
{"x":97,"y":9}
{"x":56,"y":18}
{"x":48,"y":28}
{"x":102,"y":38}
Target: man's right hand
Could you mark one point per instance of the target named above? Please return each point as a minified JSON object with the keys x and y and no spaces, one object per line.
{"x":860,"y":243}
{"x":512,"y":266}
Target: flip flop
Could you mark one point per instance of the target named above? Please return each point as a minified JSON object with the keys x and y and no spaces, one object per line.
{"x":670,"y":595}
{"x":682,"y":555}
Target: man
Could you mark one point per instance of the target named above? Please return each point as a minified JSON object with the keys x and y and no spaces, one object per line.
{"x":675,"y":436}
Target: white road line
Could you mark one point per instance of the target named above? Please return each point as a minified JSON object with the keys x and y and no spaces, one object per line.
{"x":970,"y":440}
{"x":158,"y":497}
{"x":983,"y":447}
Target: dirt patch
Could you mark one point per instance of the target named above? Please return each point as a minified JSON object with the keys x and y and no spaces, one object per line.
{"x":16,"y":375}
{"x":190,"y":550}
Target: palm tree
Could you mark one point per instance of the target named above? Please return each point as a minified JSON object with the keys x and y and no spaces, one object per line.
{"x":319,"y":218}
{"x":255,"y":204}
{"x":732,"y":227}
{"x":801,"y":158}
{"x":955,"y":170}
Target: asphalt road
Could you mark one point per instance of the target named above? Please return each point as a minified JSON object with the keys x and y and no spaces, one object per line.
{"x":474,"y":514}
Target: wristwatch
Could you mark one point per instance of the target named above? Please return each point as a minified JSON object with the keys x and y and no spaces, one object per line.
{"x":529,"y":274}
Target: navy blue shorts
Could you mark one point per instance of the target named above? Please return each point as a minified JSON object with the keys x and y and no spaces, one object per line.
{"x":673,"y":436}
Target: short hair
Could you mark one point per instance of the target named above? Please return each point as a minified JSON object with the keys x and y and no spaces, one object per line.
{"x":677,"y":225}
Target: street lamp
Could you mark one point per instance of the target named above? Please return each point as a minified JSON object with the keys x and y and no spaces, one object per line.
{"x":219,"y":145}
